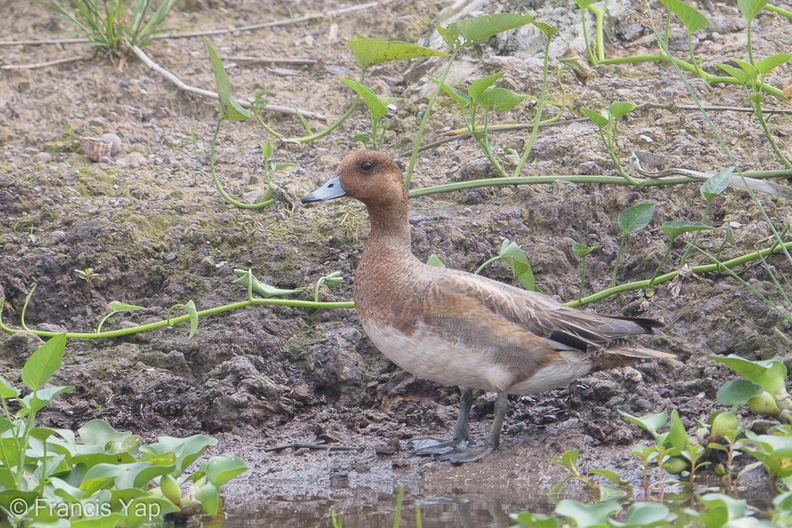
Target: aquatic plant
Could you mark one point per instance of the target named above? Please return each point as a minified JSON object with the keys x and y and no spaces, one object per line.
{"x":99,"y":476}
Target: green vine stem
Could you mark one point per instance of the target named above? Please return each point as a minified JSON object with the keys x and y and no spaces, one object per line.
{"x":630,"y":286}
{"x":177,"y":320}
{"x":698,"y":270}
{"x":267,"y":200}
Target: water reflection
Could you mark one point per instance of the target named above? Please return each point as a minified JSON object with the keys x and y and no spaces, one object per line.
{"x":462,"y":510}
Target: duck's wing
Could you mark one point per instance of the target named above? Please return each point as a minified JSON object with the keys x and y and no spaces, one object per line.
{"x":563,"y":327}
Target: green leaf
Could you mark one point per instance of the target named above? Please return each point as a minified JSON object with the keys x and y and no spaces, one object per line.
{"x":265,"y":290}
{"x":619,"y":109}
{"x":751,"y":8}
{"x":370,"y":51}
{"x":584,"y":4}
{"x":741,"y":76}
{"x":500,"y":99}
{"x":650,"y":422}
{"x":435,"y":261}
{"x":600,"y":120}
{"x":461,"y":99}
{"x":518,"y":262}
{"x":678,"y":227}
{"x":717,"y":184}
{"x":547,"y":29}
{"x":692,"y":19}
{"x":768,"y":64}
{"x":737,"y":392}
{"x":376,"y":106}
{"x":586,"y":515}
{"x":480,"y":29}
{"x":38,"y":399}
{"x":116,"y":306}
{"x":100,"y":433}
{"x":747,"y":67}
{"x":186,"y":450}
{"x":44,"y":362}
{"x":192,"y":311}
{"x":266,"y":150}
{"x":535,"y":520}
{"x":636,"y":217}
{"x":677,"y":437}
{"x":230,"y":108}
{"x":106,"y":520}
{"x":581,"y":250}
{"x":6,"y":390}
{"x":146,"y":510}
{"x":770,"y":373}
{"x":209,"y":498}
{"x":477,"y":87}
{"x":648,"y":514}
{"x":220,"y":469}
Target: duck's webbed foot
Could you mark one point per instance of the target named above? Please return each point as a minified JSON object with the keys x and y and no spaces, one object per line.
{"x":435,"y":446}
{"x":469,"y":454}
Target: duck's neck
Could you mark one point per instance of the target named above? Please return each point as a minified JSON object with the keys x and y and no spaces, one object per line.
{"x":390,"y":229}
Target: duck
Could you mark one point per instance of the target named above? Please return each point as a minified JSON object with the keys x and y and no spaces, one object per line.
{"x":459,"y":328}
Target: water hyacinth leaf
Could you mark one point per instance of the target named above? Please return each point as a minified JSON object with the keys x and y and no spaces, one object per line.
{"x":222,"y":468}
{"x":770,"y":373}
{"x":140,"y":510}
{"x":230,"y":108}
{"x":106,"y":520}
{"x":461,"y":99}
{"x":187,"y":450}
{"x":772,"y":62}
{"x":717,"y":184}
{"x":535,"y":520}
{"x":737,"y":392}
{"x":209,"y":498}
{"x":751,"y":8}
{"x":600,"y":120}
{"x":636,"y":217}
{"x":690,"y":17}
{"x":500,"y":99}
{"x":619,"y":109}
{"x":98,"y":432}
{"x":678,"y":227}
{"x":370,"y":51}
{"x":648,"y":514}
{"x":435,"y":261}
{"x":480,"y":29}
{"x":477,"y":87}
{"x":43,"y":362}
{"x":247,"y":280}
{"x":586,"y":515}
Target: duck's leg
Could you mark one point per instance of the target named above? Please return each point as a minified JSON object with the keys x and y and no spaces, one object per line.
{"x":476,"y":453}
{"x":435,"y":446}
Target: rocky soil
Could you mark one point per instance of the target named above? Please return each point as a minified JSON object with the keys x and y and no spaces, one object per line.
{"x":156,"y":232}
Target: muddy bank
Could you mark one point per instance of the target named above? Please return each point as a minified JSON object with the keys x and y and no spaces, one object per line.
{"x":156,"y":233}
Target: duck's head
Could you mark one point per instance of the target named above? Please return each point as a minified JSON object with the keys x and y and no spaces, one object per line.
{"x":369,"y":176}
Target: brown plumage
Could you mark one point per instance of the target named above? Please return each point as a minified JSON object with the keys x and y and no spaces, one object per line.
{"x":462,"y":329}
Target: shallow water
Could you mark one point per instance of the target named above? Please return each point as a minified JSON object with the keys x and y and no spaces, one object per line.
{"x":452,"y":510}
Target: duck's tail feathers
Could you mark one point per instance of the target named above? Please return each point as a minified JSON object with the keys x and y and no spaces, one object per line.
{"x":622,"y":354}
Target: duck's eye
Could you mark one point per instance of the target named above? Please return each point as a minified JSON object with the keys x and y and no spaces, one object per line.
{"x":366,"y":165}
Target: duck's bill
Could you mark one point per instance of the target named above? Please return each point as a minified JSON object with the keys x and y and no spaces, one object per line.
{"x":328,"y":191}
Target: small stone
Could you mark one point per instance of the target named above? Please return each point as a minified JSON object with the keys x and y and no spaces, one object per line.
{"x":41,"y":157}
{"x":56,"y":237}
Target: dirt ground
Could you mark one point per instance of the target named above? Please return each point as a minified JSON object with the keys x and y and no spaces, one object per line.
{"x":157,"y":233}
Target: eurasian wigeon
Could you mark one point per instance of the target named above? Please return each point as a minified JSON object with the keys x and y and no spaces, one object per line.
{"x":457,"y":328}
